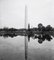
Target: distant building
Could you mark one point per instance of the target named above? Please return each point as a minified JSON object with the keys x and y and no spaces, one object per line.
{"x":28,"y":26}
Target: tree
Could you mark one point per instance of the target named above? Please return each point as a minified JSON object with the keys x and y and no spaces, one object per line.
{"x":40,"y":27}
{"x":48,"y":28}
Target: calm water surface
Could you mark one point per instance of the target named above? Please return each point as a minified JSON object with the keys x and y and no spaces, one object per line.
{"x":13,"y":49}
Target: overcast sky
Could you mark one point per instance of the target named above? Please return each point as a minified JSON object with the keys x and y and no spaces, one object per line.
{"x":12,"y":12}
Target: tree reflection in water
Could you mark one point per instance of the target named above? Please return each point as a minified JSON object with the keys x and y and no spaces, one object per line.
{"x":42,"y":38}
{"x":42,"y":33}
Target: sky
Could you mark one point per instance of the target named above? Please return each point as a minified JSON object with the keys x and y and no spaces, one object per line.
{"x":12,"y":13}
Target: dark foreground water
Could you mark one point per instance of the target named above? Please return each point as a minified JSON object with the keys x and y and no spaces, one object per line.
{"x":13,"y":49}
